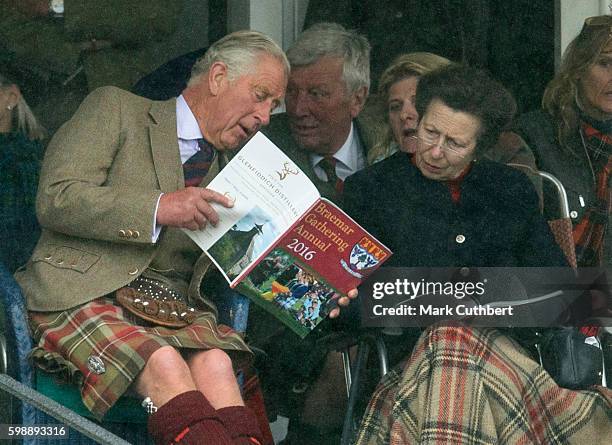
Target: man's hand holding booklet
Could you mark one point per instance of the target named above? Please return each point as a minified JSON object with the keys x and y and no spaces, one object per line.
{"x":288,"y":249}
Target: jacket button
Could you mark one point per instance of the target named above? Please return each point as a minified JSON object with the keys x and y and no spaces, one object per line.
{"x":129,"y":233}
{"x":136,"y":234}
{"x":574,"y":214}
{"x":122,"y":233}
{"x":460,"y":239}
{"x":48,"y":257}
{"x":133,"y":272}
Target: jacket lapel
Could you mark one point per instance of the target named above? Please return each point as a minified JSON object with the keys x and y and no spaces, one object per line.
{"x":164,"y":145}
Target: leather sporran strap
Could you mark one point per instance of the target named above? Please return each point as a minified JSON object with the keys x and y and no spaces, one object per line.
{"x":152,"y":301}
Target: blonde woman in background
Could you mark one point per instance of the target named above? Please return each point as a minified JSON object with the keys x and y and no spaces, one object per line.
{"x":20,"y":155}
{"x":396,"y":93}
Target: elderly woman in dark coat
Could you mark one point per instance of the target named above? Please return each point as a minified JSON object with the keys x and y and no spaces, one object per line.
{"x":446,"y":206}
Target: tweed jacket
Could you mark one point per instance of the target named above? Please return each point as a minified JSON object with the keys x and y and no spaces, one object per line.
{"x":497,"y":221}
{"x":101,"y":178}
{"x":279,"y":133}
{"x":572,"y":169}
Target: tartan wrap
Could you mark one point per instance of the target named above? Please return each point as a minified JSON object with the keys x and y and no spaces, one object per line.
{"x":477,"y":386}
{"x":66,"y":339}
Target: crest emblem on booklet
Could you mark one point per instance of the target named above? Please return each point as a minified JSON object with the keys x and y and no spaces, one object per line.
{"x":365,"y":255}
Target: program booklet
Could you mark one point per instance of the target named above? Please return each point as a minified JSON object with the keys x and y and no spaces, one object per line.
{"x":285,"y":247}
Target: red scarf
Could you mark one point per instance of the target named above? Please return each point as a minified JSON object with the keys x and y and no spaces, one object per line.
{"x":589,"y":232}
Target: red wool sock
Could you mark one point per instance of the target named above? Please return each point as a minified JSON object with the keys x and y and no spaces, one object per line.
{"x":188,"y":419}
{"x":241,"y":424}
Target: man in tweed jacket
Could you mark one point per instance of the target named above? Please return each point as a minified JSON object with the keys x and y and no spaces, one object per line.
{"x":110,"y":183}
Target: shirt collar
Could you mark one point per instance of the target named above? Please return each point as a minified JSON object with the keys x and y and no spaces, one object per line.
{"x":348,"y":154}
{"x":186,"y":124}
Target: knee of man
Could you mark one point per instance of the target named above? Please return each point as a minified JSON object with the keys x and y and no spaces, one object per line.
{"x":212,"y":362}
{"x":166,"y":362}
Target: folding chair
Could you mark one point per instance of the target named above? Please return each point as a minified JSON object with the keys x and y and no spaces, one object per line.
{"x":561,"y":226}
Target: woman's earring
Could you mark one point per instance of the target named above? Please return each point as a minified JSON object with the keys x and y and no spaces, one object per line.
{"x":8,"y":107}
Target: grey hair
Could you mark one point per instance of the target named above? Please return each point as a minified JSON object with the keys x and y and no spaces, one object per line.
{"x":332,"y":39}
{"x":23,"y":118}
{"x":239,"y":51}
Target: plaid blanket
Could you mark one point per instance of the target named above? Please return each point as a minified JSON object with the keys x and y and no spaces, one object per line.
{"x":477,"y":386}
{"x":72,"y":342}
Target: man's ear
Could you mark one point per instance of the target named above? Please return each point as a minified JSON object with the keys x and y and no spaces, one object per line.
{"x":358,"y":99}
{"x":217,"y":75}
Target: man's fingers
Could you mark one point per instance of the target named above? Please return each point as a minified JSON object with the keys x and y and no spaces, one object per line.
{"x":200,"y":220}
{"x":352,"y":294}
{"x":191,"y":225}
{"x":207,"y":212}
{"x":334,"y":312}
{"x":211,"y":195}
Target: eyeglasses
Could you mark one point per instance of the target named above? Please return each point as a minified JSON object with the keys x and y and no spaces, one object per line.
{"x":449,"y":146}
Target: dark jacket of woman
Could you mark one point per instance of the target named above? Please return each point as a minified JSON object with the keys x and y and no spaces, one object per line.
{"x":572,"y":169}
{"x":19,"y":168}
{"x":497,"y":221}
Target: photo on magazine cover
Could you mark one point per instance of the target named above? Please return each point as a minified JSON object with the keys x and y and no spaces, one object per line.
{"x":247,"y":239}
{"x":283,"y":283}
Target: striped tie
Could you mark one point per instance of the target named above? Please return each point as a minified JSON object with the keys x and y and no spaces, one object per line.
{"x":328,"y":164}
{"x":196,"y":167}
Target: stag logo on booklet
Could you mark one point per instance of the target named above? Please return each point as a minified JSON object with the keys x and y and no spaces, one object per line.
{"x":285,"y":171}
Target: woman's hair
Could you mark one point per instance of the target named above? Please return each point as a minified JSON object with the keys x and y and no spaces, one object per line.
{"x":472,"y":91}
{"x":403,"y":67}
{"x":23,"y":120}
{"x":562,"y":91}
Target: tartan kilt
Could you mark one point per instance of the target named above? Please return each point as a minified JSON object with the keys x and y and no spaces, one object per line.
{"x":478,"y":386}
{"x":66,"y":341}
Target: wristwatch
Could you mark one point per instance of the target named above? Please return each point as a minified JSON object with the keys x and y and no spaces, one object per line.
{"x":56,"y":8}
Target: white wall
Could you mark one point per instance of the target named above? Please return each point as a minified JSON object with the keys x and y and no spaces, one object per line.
{"x":280,"y":19}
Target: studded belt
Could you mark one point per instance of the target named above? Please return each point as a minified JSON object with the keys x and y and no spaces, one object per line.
{"x":153,"y":301}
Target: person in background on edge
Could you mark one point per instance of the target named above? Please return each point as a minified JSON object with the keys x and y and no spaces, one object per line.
{"x":20,"y":154}
{"x":571,"y":137}
{"x":68,"y":48}
{"x":118,"y":183}
{"x":446,"y":206}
